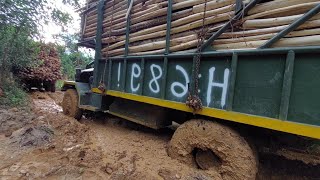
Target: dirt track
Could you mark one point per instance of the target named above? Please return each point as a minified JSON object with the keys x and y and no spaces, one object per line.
{"x":53,"y":146}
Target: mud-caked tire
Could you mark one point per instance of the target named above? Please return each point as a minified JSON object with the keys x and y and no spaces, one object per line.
{"x":53,"y":86}
{"x":70,"y":104}
{"x":236,"y":158}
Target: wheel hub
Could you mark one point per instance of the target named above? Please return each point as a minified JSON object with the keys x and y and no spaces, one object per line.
{"x":206,"y":159}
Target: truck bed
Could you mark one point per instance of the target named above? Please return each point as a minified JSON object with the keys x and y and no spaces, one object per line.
{"x":273,"y":88}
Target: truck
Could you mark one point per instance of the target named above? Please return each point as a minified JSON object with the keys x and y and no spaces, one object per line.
{"x":227,"y":103}
{"x":44,"y":71}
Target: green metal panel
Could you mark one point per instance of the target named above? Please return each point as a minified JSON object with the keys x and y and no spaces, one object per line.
{"x":213,"y":81}
{"x":179,"y":75}
{"x":259,"y":84}
{"x":116,"y":75}
{"x":133,"y":74}
{"x":254,"y":82}
{"x":305,"y":95}
{"x":152,"y":78}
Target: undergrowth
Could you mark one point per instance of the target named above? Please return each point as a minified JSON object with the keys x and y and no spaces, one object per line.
{"x":14,"y":95}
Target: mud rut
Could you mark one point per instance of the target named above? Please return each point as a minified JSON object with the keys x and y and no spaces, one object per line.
{"x":110,"y":148}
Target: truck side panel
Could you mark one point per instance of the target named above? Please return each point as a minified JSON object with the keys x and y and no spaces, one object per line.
{"x":281,"y":85}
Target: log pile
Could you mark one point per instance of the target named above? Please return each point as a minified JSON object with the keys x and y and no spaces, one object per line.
{"x":47,"y":68}
{"x":148,"y":23}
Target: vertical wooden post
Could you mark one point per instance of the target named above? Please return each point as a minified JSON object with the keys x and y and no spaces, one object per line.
{"x":98,"y":47}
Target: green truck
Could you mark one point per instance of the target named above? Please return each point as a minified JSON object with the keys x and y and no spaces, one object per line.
{"x":220,"y":98}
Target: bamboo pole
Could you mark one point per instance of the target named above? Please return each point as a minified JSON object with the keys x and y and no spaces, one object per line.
{"x":212,"y":5}
{"x":161,"y":33}
{"x":270,"y":22}
{"x":280,"y":11}
{"x":306,"y":25}
{"x":285,"y":42}
{"x":176,"y":28}
{"x":276,"y":4}
{"x":299,"y":33}
{"x":153,"y":22}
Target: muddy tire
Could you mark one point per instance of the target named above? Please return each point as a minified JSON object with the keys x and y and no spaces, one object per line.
{"x":49,"y":86}
{"x":70,"y":104}
{"x":53,"y":86}
{"x":215,"y":148}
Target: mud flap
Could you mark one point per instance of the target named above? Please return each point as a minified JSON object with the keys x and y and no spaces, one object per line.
{"x":145,"y":114}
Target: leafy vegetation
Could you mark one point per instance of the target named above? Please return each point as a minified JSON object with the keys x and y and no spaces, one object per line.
{"x":13,"y":95}
{"x":70,"y":57}
{"x":20,"y":24}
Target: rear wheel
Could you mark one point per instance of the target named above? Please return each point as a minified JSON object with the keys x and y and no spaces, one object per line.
{"x":53,"y":86}
{"x":70,"y":104}
{"x":46,"y":86}
{"x":49,"y":86}
{"x":215,"y":148}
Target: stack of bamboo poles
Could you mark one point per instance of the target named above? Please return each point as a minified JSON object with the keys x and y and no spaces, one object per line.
{"x":47,"y":65}
{"x":148,"y":23}
{"x":267,"y":19}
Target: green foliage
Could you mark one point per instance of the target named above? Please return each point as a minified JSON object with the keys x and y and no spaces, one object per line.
{"x":60,"y":17}
{"x":70,"y":57}
{"x":20,"y":21}
{"x":71,"y":61}
{"x":20,"y":24}
{"x":13,"y":95}
{"x":59,"y":84}
{"x":32,"y":14}
{"x":16,"y":47}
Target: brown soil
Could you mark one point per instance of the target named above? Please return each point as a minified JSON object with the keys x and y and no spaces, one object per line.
{"x":238,"y":161}
{"x":45,"y":144}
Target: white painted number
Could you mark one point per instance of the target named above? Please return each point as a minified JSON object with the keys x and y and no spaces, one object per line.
{"x":213,"y":84}
{"x":135,"y":73}
{"x":119,"y":74}
{"x":178,"y":89}
{"x":184,"y":87}
{"x":155,"y":79}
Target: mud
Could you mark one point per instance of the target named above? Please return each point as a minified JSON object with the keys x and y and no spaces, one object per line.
{"x":49,"y":145}
{"x":33,"y":136}
{"x":237,"y":159}
{"x":14,"y":119}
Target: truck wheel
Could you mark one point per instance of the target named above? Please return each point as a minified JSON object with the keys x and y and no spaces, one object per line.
{"x":46,"y":86}
{"x":70,"y":104}
{"x":215,"y":148}
{"x":53,"y":86}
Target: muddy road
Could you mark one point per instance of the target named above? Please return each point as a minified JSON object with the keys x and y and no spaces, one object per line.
{"x":39,"y":142}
